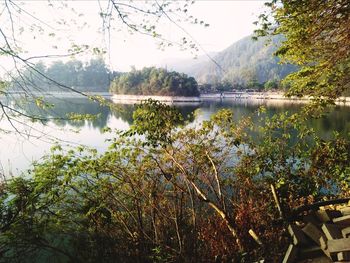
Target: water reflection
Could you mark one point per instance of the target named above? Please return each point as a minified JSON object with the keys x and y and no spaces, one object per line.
{"x":20,"y":153}
{"x":64,"y":107}
{"x":337,"y":120}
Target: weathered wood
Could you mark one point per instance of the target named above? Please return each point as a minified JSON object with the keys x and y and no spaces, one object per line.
{"x":311,"y":218}
{"x":343,"y":256}
{"x":321,"y":259}
{"x":277,"y":201}
{"x":335,"y":213}
{"x":338,"y":245}
{"x":315,"y":206}
{"x":291,"y":254}
{"x":342,"y":221}
{"x":313,"y":232}
{"x":345,"y":211}
{"x":311,"y":252}
{"x":327,"y":215}
{"x":332,"y":231}
{"x":297,"y":235}
{"x":346,"y":232}
{"x":255,"y":237}
{"x":323,"y":245}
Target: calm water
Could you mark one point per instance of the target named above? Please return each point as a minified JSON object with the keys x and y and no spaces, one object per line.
{"x":17,"y":152}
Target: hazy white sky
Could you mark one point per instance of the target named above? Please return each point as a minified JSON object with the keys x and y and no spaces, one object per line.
{"x":79,"y":22}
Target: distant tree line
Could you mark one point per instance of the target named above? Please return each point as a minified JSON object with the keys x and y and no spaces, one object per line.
{"x":91,"y":76}
{"x":254,"y":84}
{"x":154,"y":81}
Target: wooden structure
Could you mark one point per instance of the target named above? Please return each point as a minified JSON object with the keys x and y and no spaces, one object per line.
{"x":320,"y":233}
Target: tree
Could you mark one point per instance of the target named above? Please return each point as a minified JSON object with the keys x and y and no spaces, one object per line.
{"x":159,"y":193}
{"x":271,"y":85}
{"x":91,"y":76}
{"x":96,"y":74}
{"x":137,"y":17}
{"x":317,"y":39}
{"x":153,"y":81}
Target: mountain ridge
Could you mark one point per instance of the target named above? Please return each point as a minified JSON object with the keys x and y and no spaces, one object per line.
{"x":243,"y":61}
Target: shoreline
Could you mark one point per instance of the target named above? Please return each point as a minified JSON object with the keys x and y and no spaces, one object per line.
{"x":168,"y":99}
{"x":258,"y":97}
{"x":241,"y":96}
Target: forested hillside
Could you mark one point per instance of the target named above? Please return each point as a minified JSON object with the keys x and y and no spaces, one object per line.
{"x":155,"y":81}
{"x":91,"y":76}
{"x":244,"y":61}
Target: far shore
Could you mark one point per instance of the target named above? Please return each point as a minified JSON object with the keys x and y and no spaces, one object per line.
{"x":251,"y":96}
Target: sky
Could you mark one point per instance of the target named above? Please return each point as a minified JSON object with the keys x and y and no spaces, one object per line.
{"x":41,"y":29}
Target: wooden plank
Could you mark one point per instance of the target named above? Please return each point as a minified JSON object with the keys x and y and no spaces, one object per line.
{"x":303,"y":208}
{"x":311,"y":252}
{"x":342,"y":221}
{"x":323,"y":245}
{"x":334,"y":213}
{"x":320,"y":259}
{"x":255,"y":237}
{"x":327,"y":215}
{"x":346,"y":232}
{"x":332,"y":231}
{"x":277,"y":201}
{"x":291,"y":254}
{"x":345,"y":211}
{"x":338,"y":245}
{"x":297,"y":235}
{"x":311,"y":218}
{"x":343,"y":256}
{"x":313,"y":232}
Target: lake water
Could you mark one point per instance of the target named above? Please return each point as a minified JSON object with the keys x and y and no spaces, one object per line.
{"x":18,"y":151}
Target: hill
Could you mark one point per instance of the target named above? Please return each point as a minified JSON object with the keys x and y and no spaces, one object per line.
{"x":244,"y":61}
{"x":155,"y":81}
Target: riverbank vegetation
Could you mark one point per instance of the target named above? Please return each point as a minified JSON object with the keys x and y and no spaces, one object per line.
{"x":226,"y":86}
{"x":172,"y":195}
{"x":155,"y":81}
{"x":165,"y":191}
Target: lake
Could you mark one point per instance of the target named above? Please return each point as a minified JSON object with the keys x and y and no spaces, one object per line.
{"x":18,"y":151}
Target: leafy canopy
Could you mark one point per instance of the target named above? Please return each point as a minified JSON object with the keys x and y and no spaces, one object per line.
{"x":155,"y":121}
{"x":317,"y":38}
{"x":90,"y":76}
{"x":154,"y":81}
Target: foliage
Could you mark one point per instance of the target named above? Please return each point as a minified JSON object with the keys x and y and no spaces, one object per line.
{"x":271,"y":85}
{"x":250,"y":85}
{"x":156,"y":130}
{"x":181,"y":195}
{"x":153,"y":81}
{"x":216,"y":87}
{"x":91,"y":76}
{"x":171,"y":195}
{"x":317,"y":40}
{"x":25,"y":26}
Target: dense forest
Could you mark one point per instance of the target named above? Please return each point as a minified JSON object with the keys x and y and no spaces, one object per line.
{"x":247,"y":63}
{"x":91,"y":76}
{"x":155,"y":81}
